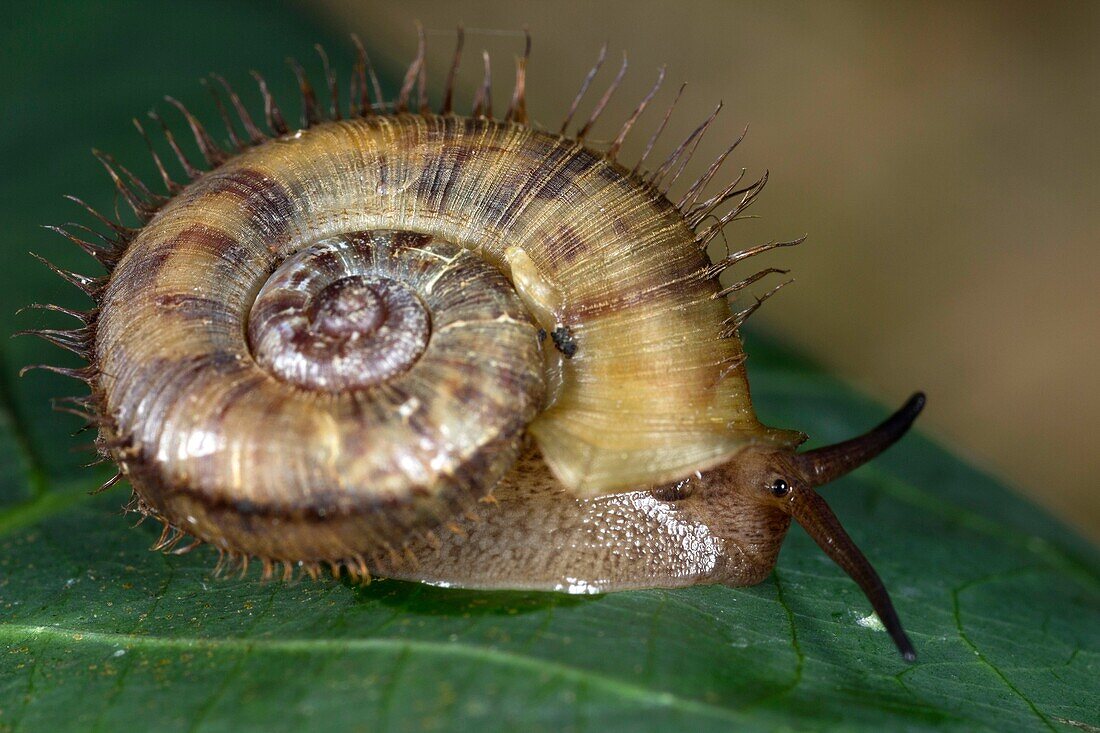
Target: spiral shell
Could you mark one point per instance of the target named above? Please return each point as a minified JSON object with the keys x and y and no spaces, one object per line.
{"x":339,"y":336}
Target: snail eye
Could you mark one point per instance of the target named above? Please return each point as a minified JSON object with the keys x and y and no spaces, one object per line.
{"x":780,"y":488}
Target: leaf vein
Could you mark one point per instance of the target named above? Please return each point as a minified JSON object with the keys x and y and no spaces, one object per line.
{"x":607,"y":684}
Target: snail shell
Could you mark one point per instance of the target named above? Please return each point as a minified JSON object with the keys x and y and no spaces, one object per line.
{"x":332,"y":343}
{"x":339,"y":335}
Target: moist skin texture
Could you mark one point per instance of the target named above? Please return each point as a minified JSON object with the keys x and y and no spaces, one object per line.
{"x":535,"y":535}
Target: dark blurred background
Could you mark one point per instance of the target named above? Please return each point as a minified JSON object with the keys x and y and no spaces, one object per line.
{"x":942,"y":158}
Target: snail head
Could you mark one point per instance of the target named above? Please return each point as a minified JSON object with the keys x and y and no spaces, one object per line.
{"x":782,"y":483}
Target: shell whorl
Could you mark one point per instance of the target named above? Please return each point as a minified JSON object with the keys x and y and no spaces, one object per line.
{"x":256,"y":426}
{"x":333,"y":317}
{"x":339,"y":335}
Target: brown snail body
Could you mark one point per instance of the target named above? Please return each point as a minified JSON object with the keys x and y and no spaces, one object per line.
{"x":335,"y":344}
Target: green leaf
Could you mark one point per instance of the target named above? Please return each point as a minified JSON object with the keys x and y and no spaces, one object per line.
{"x":1002,"y":601}
{"x":1002,"y":604}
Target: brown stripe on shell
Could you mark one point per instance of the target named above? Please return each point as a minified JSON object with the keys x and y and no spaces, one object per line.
{"x":189,"y":305}
{"x":568,"y":243}
{"x":577,"y":165}
{"x":267,"y":203}
{"x":440,"y":174}
{"x":536,"y":182}
{"x":203,"y":241}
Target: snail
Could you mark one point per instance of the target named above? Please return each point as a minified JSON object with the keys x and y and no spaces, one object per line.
{"x":458,"y":349}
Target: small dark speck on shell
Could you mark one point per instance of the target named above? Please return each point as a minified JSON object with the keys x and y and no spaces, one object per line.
{"x":563,"y":340}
